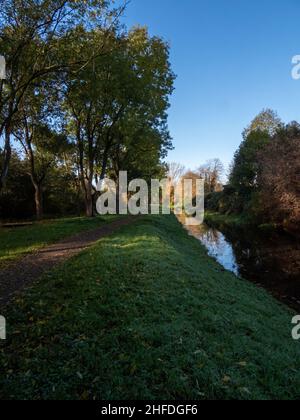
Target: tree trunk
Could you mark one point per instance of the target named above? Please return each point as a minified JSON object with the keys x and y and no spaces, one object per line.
{"x":6,"y":159}
{"x":89,"y":205}
{"x":38,"y":196}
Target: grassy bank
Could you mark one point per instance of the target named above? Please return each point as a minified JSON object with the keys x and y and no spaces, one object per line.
{"x":241,"y":221}
{"x":146,"y":314}
{"x":230,"y":220}
{"x":15,"y":242}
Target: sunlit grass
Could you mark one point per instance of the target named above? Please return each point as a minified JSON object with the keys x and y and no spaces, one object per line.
{"x":15,"y":242}
{"x":155,"y":320}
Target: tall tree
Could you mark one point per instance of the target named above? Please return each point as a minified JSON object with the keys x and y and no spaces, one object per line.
{"x":42,"y":146}
{"x":94,"y":101}
{"x":244,"y":170}
{"x":175,"y":172}
{"x":266,"y":121}
{"x":279,"y":178}
{"x":212,"y":173}
{"x":116,"y":101}
{"x":34,"y":38}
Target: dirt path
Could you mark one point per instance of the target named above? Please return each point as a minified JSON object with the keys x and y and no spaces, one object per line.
{"x":25,"y":271}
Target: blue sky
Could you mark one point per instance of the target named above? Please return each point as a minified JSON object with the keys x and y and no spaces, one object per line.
{"x":232,"y":59}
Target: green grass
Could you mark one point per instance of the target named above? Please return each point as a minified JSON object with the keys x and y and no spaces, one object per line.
{"x":230,"y":220}
{"x":238,"y":221}
{"x":145,"y":314}
{"x":15,"y":242}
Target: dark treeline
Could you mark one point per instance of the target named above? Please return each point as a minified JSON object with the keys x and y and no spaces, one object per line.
{"x":264,"y":180}
{"x":83,"y":99}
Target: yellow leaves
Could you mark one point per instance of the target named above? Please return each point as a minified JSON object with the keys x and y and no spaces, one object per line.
{"x":226,"y":379}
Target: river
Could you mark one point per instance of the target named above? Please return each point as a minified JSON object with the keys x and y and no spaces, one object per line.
{"x":269,"y":260}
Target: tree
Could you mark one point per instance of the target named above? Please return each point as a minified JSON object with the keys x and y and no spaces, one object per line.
{"x":70,"y":68}
{"x":17,"y":196}
{"x":241,"y":193}
{"x":194,"y":176}
{"x":61,"y":195}
{"x":212,"y":173}
{"x":115,"y":102}
{"x":94,"y":103}
{"x":35,"y":36}
{"x":245,"y":167}
{"x":266,"y":121}
{"x":244,"y":172}
{"x":41,"y":144}
{"x":279,"y":178}
{"x":175,"y":172}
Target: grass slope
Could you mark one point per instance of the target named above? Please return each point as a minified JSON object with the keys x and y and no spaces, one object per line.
{"x":241,"y":221}
{"x":146,"y":314}
{"x":231,"y":220}
{"x":15,"y":242}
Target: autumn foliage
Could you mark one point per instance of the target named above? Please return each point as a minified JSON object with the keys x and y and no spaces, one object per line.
{"x":279,"y":181}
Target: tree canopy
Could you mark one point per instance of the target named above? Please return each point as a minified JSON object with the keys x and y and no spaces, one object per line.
{"x":82,"y":93}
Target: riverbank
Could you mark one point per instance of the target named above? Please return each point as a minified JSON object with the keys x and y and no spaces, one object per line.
{"x":243,"y":222}
{"x":146,"y":314}
{"x":264,"y":257}
{"x":237,"y":222}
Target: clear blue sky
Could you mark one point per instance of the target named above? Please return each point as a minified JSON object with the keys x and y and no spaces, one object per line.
{"x":232,"y":59}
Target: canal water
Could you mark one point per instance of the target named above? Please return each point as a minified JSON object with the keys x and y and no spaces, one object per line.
{"x":270,"y":260}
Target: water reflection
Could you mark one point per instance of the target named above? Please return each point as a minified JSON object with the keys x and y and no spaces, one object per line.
{"x":269,"y":260}
{"x":217,"y":245}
